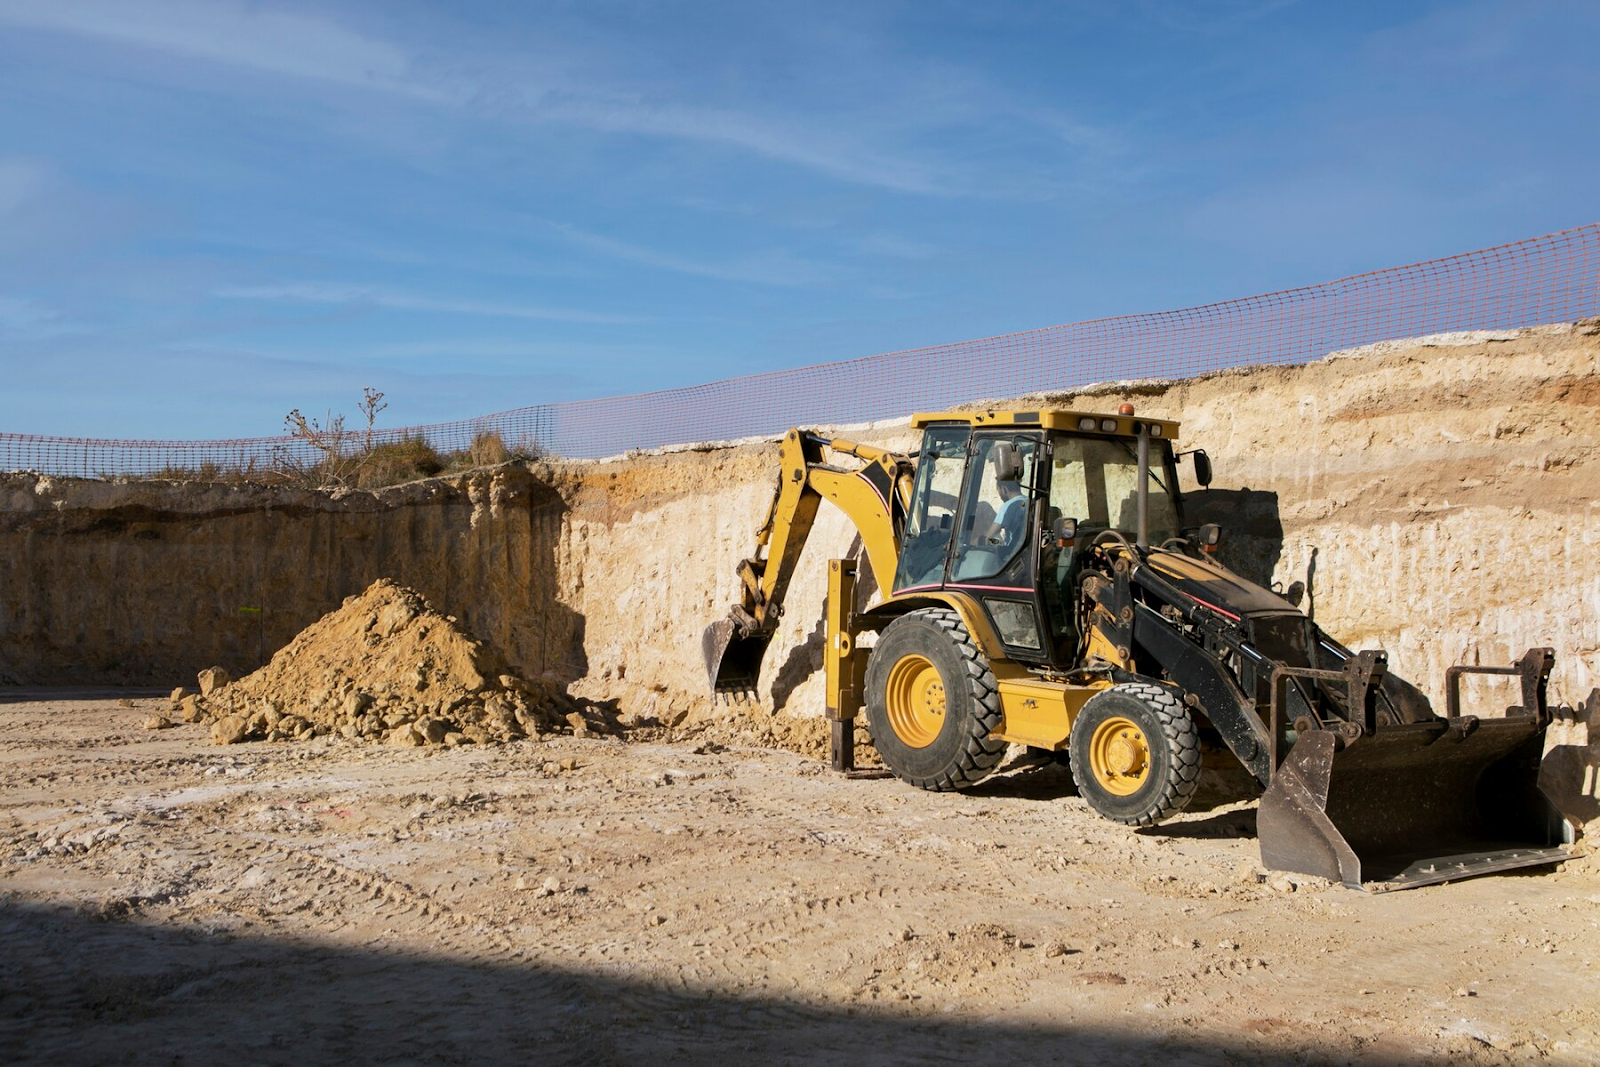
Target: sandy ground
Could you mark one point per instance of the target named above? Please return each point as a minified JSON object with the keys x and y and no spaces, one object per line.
{"x":165,"y":901}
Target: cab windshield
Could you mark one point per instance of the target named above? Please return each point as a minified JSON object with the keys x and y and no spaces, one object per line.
{"x":1095,"y":480}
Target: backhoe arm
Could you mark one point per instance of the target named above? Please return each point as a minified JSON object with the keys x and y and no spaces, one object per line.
{"x":874,"y":496}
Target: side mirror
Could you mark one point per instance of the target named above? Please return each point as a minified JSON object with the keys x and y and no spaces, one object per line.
{"x":1065,"y":531}
{"x":1202,"y":467}
{"x":1295,"y":593}
{"x":1007,"y":462}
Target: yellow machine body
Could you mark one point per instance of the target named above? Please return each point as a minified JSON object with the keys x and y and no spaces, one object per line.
{"x":1363,"y":781}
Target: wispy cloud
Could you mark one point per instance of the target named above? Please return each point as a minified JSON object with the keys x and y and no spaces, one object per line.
{"x":22,"y":319}
{"x":259,"y":39}
{"x":374,"y":296}
{"x":784,"y":141}
{"x":240,"y":35}
{"x":893,"y":247}
{"x":19,"y":181}
{"x":769,"y":268}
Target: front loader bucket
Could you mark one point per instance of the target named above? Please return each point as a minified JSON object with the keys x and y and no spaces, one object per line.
{"x":1412,"y":804}
{"x":733,"y":660}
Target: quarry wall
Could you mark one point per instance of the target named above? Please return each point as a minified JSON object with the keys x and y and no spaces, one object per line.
{"x":144,"y":583}
{"x":1441,"y":496}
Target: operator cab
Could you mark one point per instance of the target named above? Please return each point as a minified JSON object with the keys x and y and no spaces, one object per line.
{"x":1006,"y":504}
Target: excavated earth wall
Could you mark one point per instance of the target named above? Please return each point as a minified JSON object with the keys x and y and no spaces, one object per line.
{"x":144,"y":583}
{"x":1440,"y":494}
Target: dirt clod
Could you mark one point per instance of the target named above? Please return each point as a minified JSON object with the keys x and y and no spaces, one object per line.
{"x":212,"y":679}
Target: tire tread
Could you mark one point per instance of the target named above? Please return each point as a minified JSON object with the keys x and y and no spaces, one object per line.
{"x":1183,"y":742}
{"x":979,"y":752}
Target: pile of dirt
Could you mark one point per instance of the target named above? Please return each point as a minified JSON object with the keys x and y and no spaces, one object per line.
{"x":385,"y":665}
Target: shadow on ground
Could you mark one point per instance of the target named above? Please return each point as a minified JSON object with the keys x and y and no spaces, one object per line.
{"x":80,"y":988}
{"x":26,"y":694}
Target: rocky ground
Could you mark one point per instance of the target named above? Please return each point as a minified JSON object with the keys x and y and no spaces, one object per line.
{"x":166,"y":900}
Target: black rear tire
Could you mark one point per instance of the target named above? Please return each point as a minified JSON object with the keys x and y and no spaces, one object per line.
{"x":958,"y":751}
{"x":1153,"y":735}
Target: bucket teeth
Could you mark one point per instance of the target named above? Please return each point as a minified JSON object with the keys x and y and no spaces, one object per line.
{"x":735,"y":695}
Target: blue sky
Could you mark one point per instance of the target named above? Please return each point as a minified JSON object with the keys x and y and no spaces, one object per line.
{"x":211,"y":212}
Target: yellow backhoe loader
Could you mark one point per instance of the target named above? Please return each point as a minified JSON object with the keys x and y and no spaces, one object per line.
{"x":1039,"y":587}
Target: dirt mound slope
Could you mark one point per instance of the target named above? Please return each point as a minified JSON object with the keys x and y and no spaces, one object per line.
{"x":384,"y":665}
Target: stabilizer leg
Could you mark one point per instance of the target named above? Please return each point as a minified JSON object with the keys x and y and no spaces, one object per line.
{"x":841,"y":664}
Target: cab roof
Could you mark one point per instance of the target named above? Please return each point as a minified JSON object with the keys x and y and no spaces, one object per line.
{"x":1108,"y":423}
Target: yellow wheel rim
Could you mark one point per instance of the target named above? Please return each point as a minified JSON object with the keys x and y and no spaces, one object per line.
{"x":1119,"y":755}
{"x":914,"y":700}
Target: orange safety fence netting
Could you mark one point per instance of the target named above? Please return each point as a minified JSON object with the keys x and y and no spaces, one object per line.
{"x":1554,"y":278}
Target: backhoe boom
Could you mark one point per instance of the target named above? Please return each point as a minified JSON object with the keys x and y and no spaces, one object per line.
{"x":873,"y":496}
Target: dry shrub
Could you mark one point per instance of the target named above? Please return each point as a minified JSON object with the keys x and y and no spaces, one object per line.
{"x":402,"y":460}
{"x":342,"y":457}
{"x":487,"y":450}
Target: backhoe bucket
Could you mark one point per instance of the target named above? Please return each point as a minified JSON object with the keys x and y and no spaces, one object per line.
{"x":733,"y":660}
{"x":1411,"y":804}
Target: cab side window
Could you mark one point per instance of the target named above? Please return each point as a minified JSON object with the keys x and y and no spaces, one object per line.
{"x":993,"y":527}
{"x":933,"y":504}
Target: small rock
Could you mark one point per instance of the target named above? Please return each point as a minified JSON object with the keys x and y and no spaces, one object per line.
{"x":177,"y":695}
{"x":1054,"y":949}
{"x":550,"y":887}
{"x":432,"y":730}
{"x":158,"y":722}
{"x":211,"y":679}
{"x":229,"y":730}
{"x":404,"y":737}
{"x":657,"y":919}
{"x":907,"y":934}
{"x":1226,"y":946}
{"x":189,"y":709}
{"x":1282,"y":885}
{"x":1463,"y":991}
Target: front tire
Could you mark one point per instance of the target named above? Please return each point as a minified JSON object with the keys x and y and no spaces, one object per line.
{"x":1135,"y":754}
{"x":932,"y":702}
